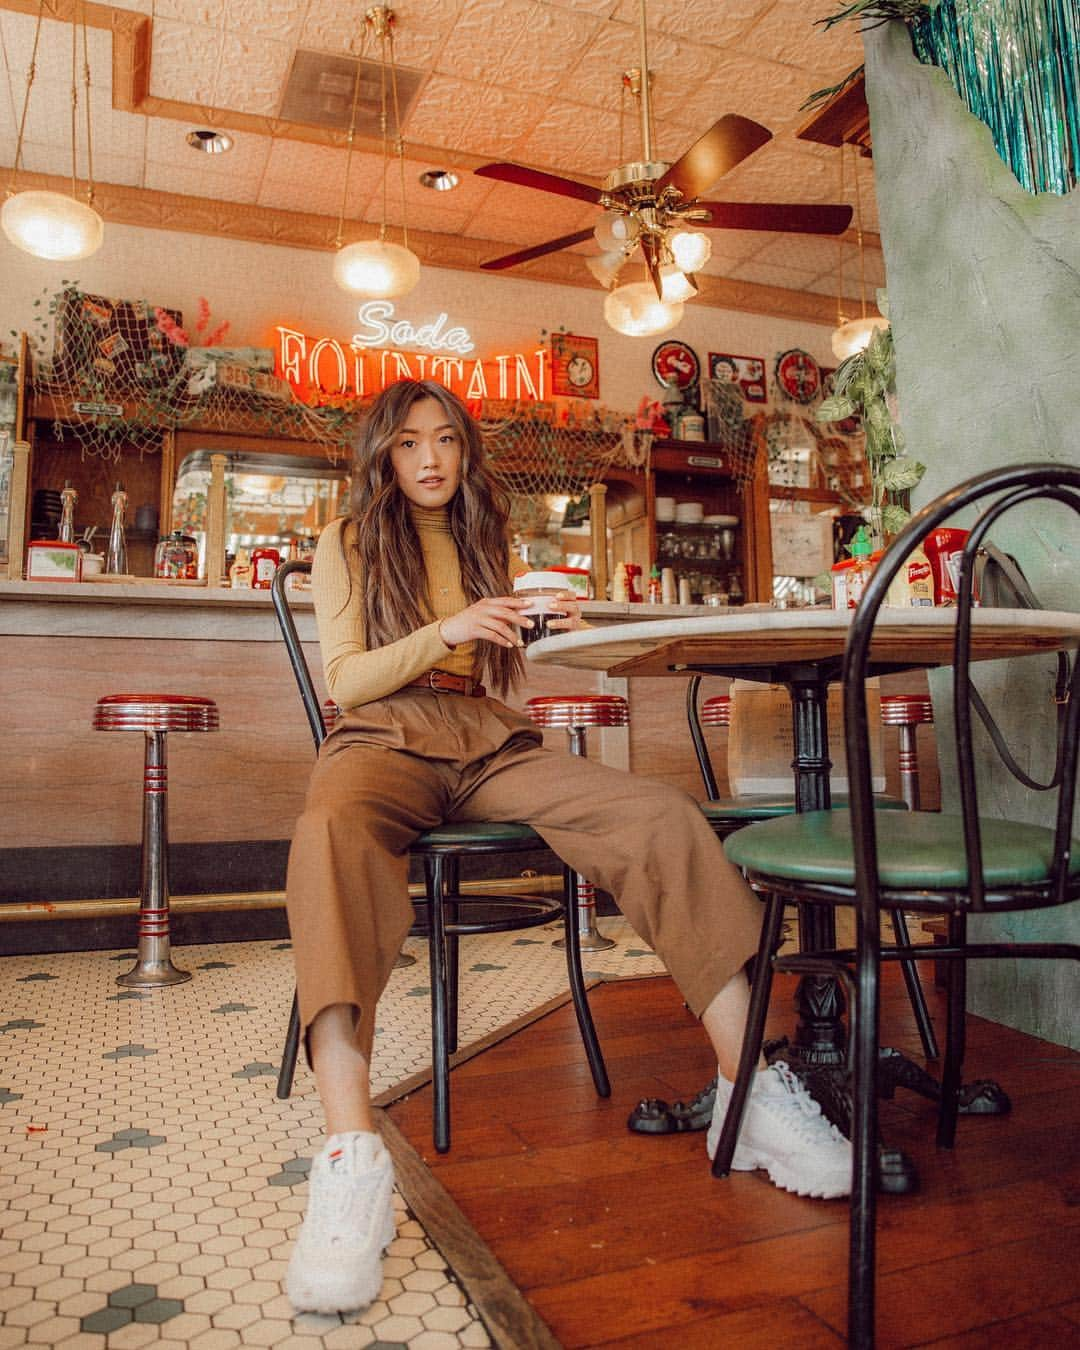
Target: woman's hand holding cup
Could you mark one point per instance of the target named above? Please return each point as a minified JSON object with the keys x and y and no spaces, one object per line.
{"x":496,"y":618}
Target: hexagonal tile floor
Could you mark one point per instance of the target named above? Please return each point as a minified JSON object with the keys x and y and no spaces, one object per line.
{"x":153,"y":1182}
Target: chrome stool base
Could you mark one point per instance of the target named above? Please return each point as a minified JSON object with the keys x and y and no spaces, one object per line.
{"x":152,"y":975}
{"x":403,"y":960}
{"x":591,"y":940}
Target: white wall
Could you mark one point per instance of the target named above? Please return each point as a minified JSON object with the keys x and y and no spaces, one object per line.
{"x":256,"y":286}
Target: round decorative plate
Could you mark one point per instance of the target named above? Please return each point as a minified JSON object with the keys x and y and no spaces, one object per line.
{"x":674,"y":363}
{"x":798,"y":375}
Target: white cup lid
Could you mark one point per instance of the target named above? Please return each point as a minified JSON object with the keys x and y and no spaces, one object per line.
{"x":540,"y":581}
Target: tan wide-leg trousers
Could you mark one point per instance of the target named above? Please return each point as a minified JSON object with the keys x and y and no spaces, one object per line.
{"x":394,"y":768}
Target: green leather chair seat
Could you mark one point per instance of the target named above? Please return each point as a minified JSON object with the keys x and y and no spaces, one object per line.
{"x":477,"y":833}
{"x":916,"y":849}
{"x":765,"y":807}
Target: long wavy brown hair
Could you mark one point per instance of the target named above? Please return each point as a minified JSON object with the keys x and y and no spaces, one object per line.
{"x":385,"y":544}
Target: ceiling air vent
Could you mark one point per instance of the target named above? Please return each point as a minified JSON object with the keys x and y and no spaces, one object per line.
{"x":320,"y":92}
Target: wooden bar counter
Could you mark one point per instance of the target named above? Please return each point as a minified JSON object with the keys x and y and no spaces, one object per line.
{"x":70,"y":797}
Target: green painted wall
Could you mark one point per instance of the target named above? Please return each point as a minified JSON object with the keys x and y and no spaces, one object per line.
{"x":984,"y":296}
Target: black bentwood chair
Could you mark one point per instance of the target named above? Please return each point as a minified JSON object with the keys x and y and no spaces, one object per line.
{"x":447,"y":920}
{"x":728,"y":814}
{"x":950,"y":864}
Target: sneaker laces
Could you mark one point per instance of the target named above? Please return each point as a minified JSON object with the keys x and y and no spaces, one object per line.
{"x":802,"y":1113}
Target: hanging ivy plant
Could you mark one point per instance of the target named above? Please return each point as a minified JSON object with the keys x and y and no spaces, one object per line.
{"x":865,"y":387}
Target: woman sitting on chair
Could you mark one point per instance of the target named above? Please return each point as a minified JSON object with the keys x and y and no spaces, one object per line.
{"x":415,"y":579}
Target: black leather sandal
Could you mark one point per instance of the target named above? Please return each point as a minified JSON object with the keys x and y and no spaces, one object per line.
{"x":655,"y":1116}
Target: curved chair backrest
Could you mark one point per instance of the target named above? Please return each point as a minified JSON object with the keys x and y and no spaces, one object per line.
{"x":1010,"y":486}
{"x":297,"y":659}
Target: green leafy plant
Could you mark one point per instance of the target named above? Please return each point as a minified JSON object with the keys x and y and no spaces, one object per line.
{"x":880,"y":11}
{"x":865,"y":386}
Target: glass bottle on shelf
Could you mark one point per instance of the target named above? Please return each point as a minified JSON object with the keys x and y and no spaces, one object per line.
{"x":68,"y":498}
{"x":116,"y":554}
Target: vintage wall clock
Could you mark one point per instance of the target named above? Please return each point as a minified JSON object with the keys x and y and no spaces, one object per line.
{"x":674,"y":363}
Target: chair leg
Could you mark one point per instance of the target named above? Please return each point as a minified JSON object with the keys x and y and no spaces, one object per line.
{"x":864,"y":1018}
{"x":955,"y":1036}
{"x":914,"y":988}
{"x":577,"y":986}
{"x":752,"y":1036}
{"x":440,"y":1050}
{"x":452,"y":912}
{"x":288,"y":1055}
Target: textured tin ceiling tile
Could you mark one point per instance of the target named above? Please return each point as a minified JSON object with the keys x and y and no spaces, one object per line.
{"x":762,"y":274}
{"x":166,"y":144}
{"x":281,"y":19}
{"x":501,"y":120}
{"x":546,"y":214}
{"x":184,"y":61}
{"x":54,"y":53}
{"x":700,"y":20}
{"x":210,"y":13}
{"x":485,"y":29}
{"x":550,"y":44}
{"x":442,"y":111}
{"x":198,"y":182}
{"x":781,"y":172}
{"x":252,"y":73}
{"x":788,"y":33}
{"x":300,"y":177}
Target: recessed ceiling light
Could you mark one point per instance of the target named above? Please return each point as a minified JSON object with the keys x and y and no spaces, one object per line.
{"x":439,"y":180}
{"x":210,"y":142}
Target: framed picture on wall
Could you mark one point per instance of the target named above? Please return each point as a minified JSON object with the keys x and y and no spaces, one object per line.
{"x":747,"y":373}
{"x":575,"y":366}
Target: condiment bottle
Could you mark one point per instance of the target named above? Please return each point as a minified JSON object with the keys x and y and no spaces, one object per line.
{"x":264,"y":563}
{"x":68,"y":498}
{"x":116,"y":553}
{"x":862,"y":566}
{"x":240,"y":576}
{"x":654,"y":585}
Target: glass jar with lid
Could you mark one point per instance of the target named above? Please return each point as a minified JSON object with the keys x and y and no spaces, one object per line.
{"x":176,"y":557}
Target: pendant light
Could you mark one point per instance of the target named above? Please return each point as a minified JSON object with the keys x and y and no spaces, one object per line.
{"x":46,"y":224}
{"x":853,"y":335}
{"x":377,"y":268}
{"x":635,"y":310}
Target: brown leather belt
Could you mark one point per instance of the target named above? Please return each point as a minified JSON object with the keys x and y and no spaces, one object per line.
{"x":443,"y":682}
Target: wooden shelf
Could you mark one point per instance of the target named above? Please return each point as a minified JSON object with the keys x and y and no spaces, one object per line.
{"x":844,"y":120}
{"x":828,"y":496}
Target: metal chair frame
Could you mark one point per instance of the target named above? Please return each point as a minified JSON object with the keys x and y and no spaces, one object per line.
{"x":901,"y":936}
{"x":860,"y":968}
{"x":445,"y":903}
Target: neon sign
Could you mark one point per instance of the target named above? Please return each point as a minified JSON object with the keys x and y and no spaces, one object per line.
{"x":324,"y":369}
{"x":376,"y":331}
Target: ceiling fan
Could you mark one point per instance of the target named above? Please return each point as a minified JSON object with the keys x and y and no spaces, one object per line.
{"x":650,"y":203}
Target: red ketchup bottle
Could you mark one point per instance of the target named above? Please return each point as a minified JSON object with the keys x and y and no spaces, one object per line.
{"x":264,"y":563}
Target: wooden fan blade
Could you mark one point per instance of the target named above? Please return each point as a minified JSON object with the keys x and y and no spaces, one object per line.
{"x":506,"y":172}
{"x":768,"y":216}
{"x":537,"y":251}
{"x":724,"y":145}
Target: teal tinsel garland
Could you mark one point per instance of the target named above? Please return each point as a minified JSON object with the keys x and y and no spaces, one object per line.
{"x":1016,"y":64}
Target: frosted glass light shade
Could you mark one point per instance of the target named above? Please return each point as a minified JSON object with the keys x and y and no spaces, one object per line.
{"x":635,"y":311}
{"x":675,"y":286}
{"x":605,"y":266}
{"x":854,"y":335}
{"x":51,"y":225}
{"x":690,"y":249}
{"x":613,"y":230}
{"x":376,"y":269}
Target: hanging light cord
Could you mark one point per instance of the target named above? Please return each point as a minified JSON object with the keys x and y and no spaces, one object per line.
{"x":349,"y":143}
{"x":86,"y":85}
{"x":840,"y":254}
{"x":399,"y":139}
{"x":30,"y":76}
{"x":858,"y":239}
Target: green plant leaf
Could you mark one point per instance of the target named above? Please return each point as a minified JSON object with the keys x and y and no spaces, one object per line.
{"x":835,"y":409}
{"x":900,"y":474}
{"x":894,"y":518}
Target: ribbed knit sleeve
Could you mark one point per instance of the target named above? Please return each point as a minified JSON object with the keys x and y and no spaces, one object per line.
{"x":355,"y":675}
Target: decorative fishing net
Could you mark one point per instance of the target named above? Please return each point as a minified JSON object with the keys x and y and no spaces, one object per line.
{"x":127,"y":373}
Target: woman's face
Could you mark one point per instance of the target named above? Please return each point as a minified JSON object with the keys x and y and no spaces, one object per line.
{"x":426,"y":455}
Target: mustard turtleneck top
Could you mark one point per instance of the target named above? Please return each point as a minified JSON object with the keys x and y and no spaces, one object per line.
{"x":355,"y":675}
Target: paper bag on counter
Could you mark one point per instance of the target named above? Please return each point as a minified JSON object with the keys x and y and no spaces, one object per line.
{"x":760,"y":746}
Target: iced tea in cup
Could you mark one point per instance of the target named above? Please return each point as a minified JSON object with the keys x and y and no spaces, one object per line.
{"x":542,"y":590}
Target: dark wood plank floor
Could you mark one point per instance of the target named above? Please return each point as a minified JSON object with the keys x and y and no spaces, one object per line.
{"x":619,"y":1240}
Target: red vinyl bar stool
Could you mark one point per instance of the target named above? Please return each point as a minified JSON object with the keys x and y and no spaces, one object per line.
{"x":330,"y":712}
{"x":577,"y":713}
{"x":154,"y":715}
{"x":907,"y":712}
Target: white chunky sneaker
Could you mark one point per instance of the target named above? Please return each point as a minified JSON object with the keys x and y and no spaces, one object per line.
{"x":336,"y":1264}
{"x":784,"y":1132}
